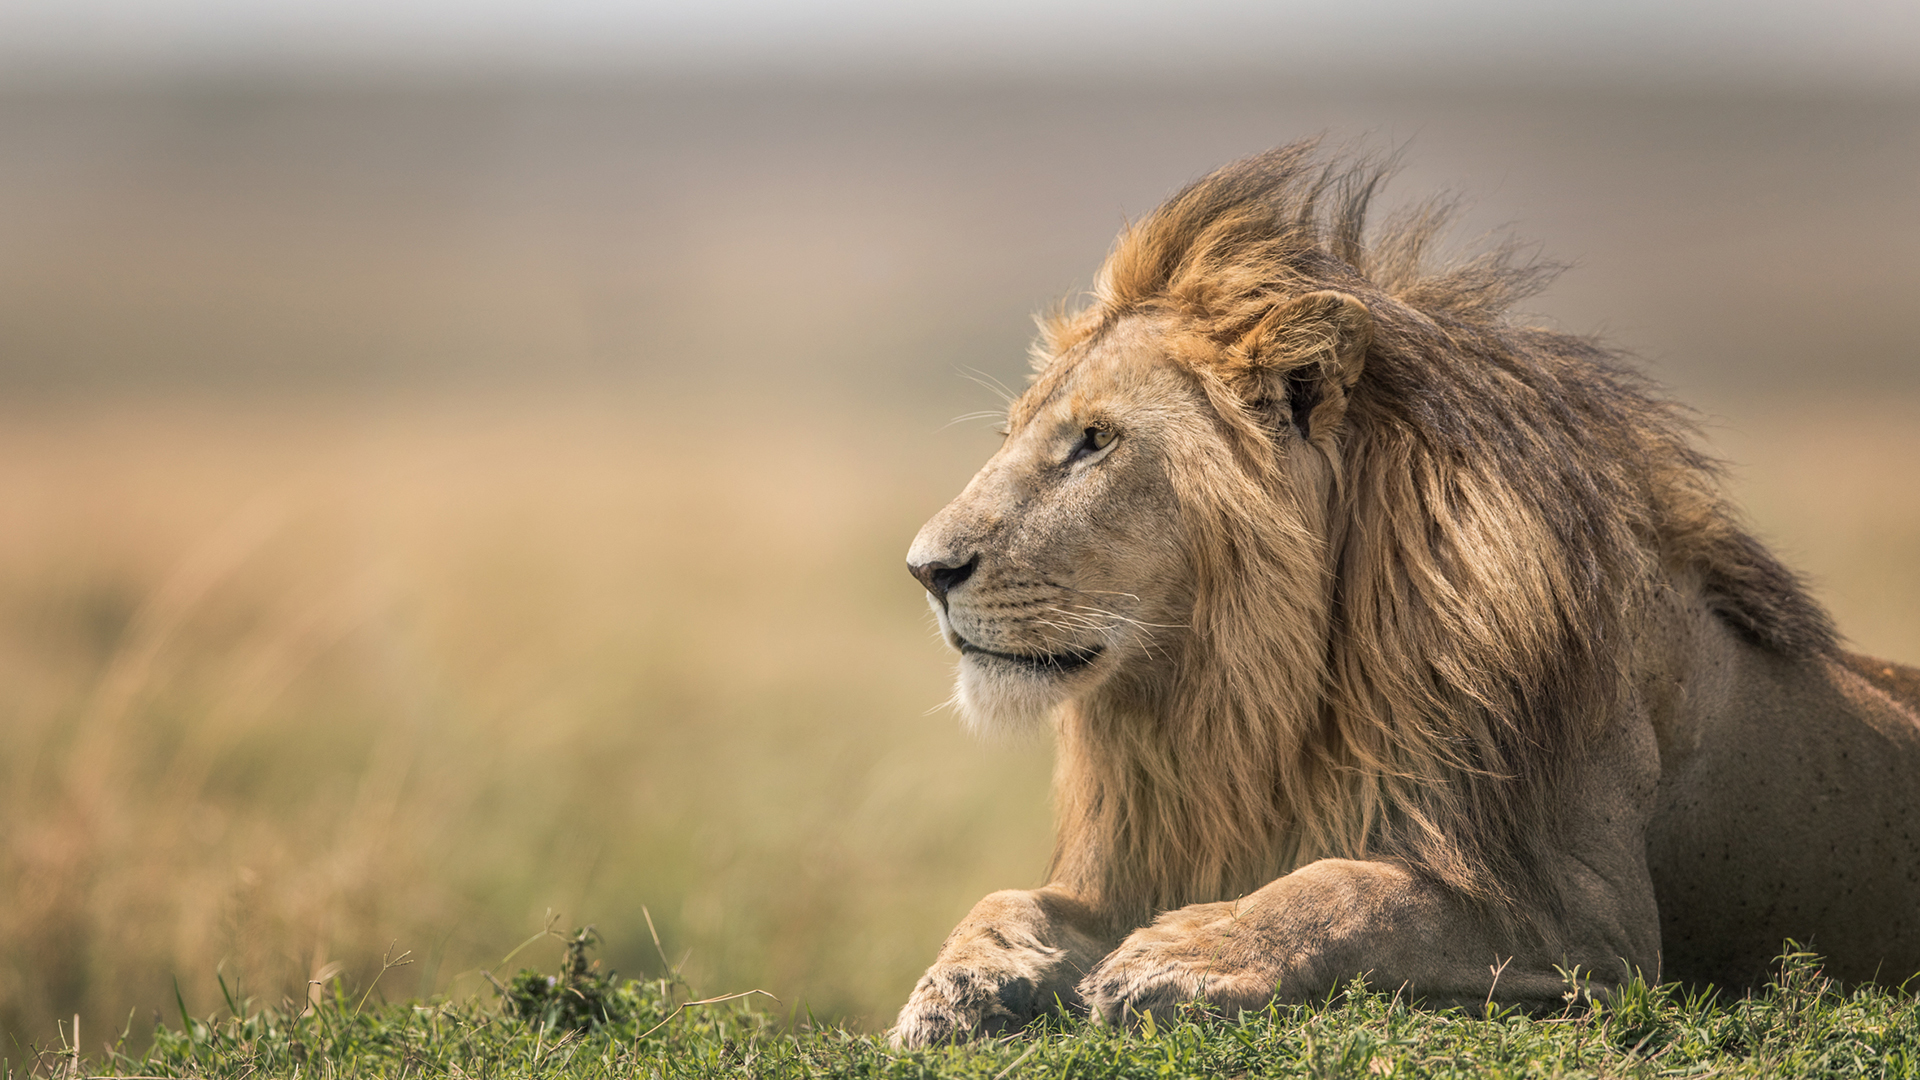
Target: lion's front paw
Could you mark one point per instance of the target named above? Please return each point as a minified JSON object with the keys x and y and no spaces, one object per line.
{"x":1190,"y":955}
{"x":952,"y":1003}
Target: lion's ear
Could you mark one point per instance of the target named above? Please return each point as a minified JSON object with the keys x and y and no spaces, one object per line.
{"x":1307,"y":353}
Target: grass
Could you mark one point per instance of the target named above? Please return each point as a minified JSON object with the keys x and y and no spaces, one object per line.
{"x":582,"y":1024}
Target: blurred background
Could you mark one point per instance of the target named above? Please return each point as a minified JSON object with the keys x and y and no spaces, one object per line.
{"x":456,"y":459}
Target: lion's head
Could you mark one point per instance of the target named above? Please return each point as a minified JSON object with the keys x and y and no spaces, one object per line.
{"x":1311,"y":552}
{"x":1071,"y":560}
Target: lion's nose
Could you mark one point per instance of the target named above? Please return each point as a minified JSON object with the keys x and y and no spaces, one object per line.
{"x":942,"y":577}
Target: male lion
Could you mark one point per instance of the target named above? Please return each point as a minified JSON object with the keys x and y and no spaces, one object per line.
{"x":1383,"y":636}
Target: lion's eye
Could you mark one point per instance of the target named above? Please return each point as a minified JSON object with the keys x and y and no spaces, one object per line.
{"x":1092,"y":441}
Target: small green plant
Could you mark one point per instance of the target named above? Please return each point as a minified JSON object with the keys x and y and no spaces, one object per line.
{"x":579,"y":998}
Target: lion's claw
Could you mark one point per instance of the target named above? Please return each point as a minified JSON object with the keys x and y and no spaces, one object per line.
{"x":1115,"y":998}
{"x":1125,"y":988}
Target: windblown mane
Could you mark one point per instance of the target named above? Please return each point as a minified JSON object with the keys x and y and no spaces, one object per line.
{"x":1404,"y":673}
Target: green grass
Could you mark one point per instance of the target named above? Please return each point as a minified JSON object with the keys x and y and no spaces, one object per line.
{"x":583,"y":1024}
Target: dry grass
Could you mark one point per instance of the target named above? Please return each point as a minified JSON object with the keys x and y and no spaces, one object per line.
{"x":287,"y":684}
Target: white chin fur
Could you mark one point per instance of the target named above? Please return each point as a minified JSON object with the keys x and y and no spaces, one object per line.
{"x":997,"y":701}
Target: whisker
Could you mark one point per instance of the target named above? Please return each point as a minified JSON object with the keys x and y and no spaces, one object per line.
{"x":988,"y":382}
{"x":1138,"y":622}
{"x":984,"y":414}
{"x":1096,"y":592}
{"x":1091,"y":618}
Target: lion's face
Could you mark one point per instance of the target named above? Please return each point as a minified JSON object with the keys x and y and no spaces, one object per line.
{"x":1063,"y":562}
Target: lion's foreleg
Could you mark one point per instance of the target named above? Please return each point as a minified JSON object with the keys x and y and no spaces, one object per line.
{"x":1013,"y":956}
{"x":1306,"y":934}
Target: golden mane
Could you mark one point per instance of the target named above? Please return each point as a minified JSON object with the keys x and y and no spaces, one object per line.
{"x":1505,"y":497}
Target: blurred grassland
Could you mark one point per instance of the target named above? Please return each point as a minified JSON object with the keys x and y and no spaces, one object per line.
{"x":291,"y":684}
{"x":425,"y":508}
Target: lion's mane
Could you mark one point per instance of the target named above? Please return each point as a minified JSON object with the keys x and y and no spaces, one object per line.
{"x":1506,"y":499}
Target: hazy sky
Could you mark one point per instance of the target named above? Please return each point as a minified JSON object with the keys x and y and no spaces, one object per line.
{"x":1829,"y":41}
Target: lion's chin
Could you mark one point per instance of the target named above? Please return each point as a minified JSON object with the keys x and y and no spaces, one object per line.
{"x":997,"y":700}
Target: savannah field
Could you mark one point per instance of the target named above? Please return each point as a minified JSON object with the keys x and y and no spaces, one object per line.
{"x":427,"y":507}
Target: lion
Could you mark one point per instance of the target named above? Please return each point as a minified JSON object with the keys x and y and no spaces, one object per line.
{"x":1383,"y":636}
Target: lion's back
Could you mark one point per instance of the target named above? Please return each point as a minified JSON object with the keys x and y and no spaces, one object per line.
{"x":1900,"y":682}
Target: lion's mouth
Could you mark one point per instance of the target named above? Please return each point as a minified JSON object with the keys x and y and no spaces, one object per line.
{"x":1060,"y":663}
